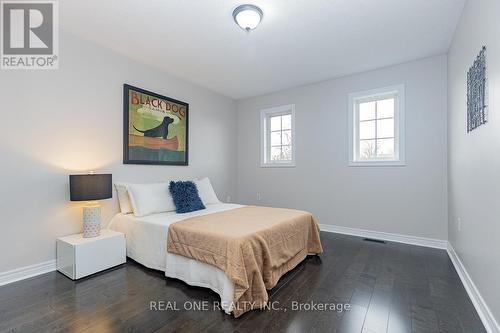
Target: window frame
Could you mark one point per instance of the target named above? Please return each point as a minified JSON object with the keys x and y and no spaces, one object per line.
{"x":265,"y":133}
{"x":396,"y":91}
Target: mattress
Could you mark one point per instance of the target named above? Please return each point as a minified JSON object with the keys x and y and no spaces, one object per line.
{"x":147,"y":244}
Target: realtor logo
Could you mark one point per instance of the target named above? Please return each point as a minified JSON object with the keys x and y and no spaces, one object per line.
{"x":30,"y":35}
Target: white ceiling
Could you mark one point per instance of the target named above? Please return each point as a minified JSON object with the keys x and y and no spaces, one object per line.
{"x":297,"y":42}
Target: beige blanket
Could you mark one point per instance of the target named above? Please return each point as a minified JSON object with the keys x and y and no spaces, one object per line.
{"x":254,"y":246}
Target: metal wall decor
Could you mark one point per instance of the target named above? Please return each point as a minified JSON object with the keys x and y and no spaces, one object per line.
{"x":477,"y":92}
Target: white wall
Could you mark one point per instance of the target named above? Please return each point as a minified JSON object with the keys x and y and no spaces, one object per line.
{"x":474,"y":158}
{"x":70,"y":120}
{"x":407,"y":200}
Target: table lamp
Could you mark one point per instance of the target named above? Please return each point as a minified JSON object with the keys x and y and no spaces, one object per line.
{"x":90,"y":187}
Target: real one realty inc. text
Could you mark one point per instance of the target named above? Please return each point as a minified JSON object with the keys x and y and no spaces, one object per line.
{"x":161,"y":305}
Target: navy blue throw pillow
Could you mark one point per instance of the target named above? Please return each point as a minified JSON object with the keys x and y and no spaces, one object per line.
{"x":185,"y":195}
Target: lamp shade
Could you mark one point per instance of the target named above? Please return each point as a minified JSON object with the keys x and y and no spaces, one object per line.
{"x":90,"y":187}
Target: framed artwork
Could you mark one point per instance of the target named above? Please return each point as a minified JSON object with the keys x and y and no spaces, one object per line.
{"x":477,"y":92}
{"x":155,"y":128}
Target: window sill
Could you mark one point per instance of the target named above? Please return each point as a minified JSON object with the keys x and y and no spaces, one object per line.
{"x":377,"y":163}
{"x":277,"y":165}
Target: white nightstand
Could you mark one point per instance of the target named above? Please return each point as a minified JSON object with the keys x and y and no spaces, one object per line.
{"x":78,"y":257}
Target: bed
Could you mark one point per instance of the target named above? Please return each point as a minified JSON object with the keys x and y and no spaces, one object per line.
{"x":211,"y":248}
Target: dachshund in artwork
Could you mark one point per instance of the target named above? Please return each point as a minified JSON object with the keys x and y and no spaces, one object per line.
{"x":158,"y":131}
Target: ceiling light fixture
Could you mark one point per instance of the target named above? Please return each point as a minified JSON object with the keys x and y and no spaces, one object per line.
{"x":247,"y":16}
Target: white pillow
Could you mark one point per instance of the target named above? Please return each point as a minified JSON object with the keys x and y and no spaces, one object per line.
{"x":123,"y":198}
{"x":206,"y":191}
{"x":150,"y":198}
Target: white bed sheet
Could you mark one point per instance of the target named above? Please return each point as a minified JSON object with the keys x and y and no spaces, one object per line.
{"x":147,"y":244}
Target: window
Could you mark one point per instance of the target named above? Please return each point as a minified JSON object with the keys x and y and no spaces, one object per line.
{"x":277,"y":133}
{"x":376,"y":120}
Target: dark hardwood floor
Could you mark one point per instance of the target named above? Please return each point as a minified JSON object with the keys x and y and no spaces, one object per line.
{"x":389,"y":287}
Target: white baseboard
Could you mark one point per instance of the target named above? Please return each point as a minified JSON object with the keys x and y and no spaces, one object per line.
{"x":482,"y":309}
{"x":27,"y":272}
{"x":413,"y":240}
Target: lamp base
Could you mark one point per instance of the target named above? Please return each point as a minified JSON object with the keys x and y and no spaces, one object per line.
{"x":91,"y":220}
